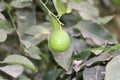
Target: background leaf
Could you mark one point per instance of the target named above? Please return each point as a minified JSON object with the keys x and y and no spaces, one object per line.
{"x":117,"y":2}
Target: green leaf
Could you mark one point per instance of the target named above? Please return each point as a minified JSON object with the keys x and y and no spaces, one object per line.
{"x":98,"y":50}
{"x":95,"y":32}
{"x":20,"y":60}
{"x":25,"y":0}
{"x":117,"y":2}
{"x":33,"y":52}
{"x":25,"y":19}
{"x":4,"y":24}
{"x":36,"y":34}
{"x":60,"y":7}
{"x":3,"y":35}
{"x":103,"y":57}
{"x":79,"y":45}
{"x":52,"y":75}
{"x":13,"y":70}
{"x":105,"y":20}
{"x":115,"y":50}
{"x":86,"y":10}
{"x":55,"y":22}
{"x":36,"y":30}
{"x":113,"y":69}
{"x":21,"y":3}
{"x":24,"y":77}
{"x":94,"y":73}
{"x":2,"y":6}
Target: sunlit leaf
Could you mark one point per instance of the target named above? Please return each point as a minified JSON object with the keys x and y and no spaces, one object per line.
{"x":97,"y":51}
{"x":2,"y":6}
{"x":4,"y":24}
{"x":95,"y":32}
{"x":2,"y":16}
{"x":36,"y":30}
{"x":13,"y":70}
{"x":105,"y":20}
{"x":113,"y":69}
{"x":3,"y":35}
{"x":34,"y":35}
{"x":25,"y":19}
{"x":33,"y":52}
{"x":64,"y":1}
{"x":60,"y":7}
{"x":24,"y":77}
{"x":1,"y":78}
{"x":20,"y":60}
{"x":86,"y":10}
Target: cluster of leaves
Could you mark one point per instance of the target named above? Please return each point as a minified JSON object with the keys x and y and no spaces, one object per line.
{"x":24,"y":52}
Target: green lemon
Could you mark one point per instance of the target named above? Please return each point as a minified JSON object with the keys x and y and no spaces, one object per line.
{"x":59,"y":40}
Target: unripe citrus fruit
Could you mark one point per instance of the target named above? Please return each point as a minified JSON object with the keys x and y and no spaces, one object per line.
{"x":59,"y":40}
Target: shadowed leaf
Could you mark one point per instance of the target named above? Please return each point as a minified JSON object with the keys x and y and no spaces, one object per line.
{"x":94,"y":73}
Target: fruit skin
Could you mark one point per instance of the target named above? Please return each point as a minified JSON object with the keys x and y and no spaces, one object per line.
{"x":59,"y":41}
